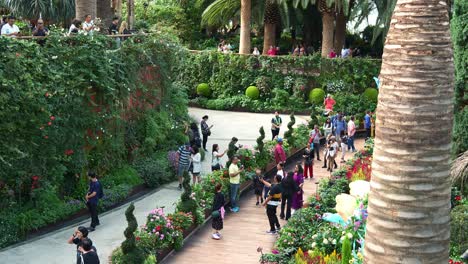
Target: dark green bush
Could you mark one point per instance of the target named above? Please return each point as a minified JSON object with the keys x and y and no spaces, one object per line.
{"x":459,"y":227}
{"x":154,"y":171}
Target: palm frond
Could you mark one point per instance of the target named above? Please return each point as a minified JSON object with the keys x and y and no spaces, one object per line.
{"x":49,"y":9}
{"x":220,"y":12}
{"x":459,"y":170}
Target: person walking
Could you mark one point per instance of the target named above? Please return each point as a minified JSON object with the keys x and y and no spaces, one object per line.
{"x":297,"y":197}
{"x":183,"y":161}
{"x":367,"y":124}
{"x":216,"y":158}
{"x":88,"y":254}
{"x":339,"y":125}
{"x":194,"y":135}
{"x":272,"y":202}
{"x":280,"y":155}
{"x":196,"y":161}
{"x":92,"y":199}
{"x":276,"y":122}
{"x":351,"y":133}
{"x":234,"y":179}
{"x":258,"y":186}
{"x":289,"y":187}
{"x":344,"y":140}
{"x":332,"y":151}
{"x":308,"y":157}
{"x":315,"y":139}
{"x":206,"y":131}
{"x":218,"y":210}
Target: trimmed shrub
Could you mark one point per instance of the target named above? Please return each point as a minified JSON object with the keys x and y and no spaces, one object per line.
{"x":154,"y":171}
{"x":371,"y":94}
{"x":203,"y":89}
{"x":316,"y":96}
{"x":252,"y":92}
{"x":131,"y":253}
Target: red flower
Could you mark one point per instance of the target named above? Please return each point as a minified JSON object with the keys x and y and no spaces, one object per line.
{"x":47,"y":94}
{"x":52,"y":118}
{"x":18,"y":54}
{"x":69,"y":152}
{"x":137,"y":238}
{"x":46,"y":137}
{"x":450,"y":261}
{"x":49,"y":123}
{"x":35,"y":178}
{"x":317,"y":207}
{"x":458,"y":198}
{"x":158,"y":228}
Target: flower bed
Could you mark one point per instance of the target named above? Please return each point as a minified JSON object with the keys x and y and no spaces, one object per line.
{"x":326,"y":232}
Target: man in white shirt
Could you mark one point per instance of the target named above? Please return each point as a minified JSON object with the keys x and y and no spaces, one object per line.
{"x":351,"y":133}
{"x":88,"y":25}
{"x":10,"y":29}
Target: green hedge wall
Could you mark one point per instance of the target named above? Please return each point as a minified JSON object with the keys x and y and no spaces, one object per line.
{"x":281,"y":80}
{"x":76,"y":104}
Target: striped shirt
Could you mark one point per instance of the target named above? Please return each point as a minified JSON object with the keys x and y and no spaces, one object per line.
{"x":184,"y":155}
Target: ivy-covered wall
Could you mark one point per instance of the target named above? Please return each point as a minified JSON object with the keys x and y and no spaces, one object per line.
{"x":284,"y":82}
{"x":459,"y":28}
{"x":76,"y":104}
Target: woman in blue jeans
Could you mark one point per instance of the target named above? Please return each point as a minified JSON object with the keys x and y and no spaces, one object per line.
{"x":234,"y":179}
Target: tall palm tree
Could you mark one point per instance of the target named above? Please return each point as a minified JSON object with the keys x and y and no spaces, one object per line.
{"x":85,"y":7}
{"x":328,"y":19}
{"x":246,"y":13}
{"x":409,"y":201}
{"x":271,"y":21}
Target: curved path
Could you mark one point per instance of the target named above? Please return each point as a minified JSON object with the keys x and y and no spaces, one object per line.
{"x":243,"y":232}
{"x":52,"y":248}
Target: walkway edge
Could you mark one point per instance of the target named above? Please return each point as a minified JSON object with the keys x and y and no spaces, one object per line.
{"x":85,"y":218}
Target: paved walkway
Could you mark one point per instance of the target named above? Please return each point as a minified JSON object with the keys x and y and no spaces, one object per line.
{"x":243,"y":232}
{"x":52,"y":247}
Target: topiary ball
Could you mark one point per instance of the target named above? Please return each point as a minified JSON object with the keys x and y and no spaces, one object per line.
{"x":252,"y":92}
{"x":316,"y":96}
{"x":203,"y":89}
{"x":371,"y":94}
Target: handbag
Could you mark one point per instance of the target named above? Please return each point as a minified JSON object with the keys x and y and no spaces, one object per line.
{"x":215,"y":214}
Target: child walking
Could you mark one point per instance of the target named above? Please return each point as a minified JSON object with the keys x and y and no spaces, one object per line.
{"x":218,"y":206}
{"x":258,"y":186}
{"x":344,"y":139}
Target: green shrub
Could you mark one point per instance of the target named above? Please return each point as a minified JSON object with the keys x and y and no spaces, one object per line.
{"x":346,"y":251}
{"x":131,"y":253}
{"x":460,"y":133}
{"x":154,"y":171}
{"x":371,"y":94}
{"x":203,"y":89}
{"x":316,"y":96}
{"x":252,"y":92}
{"x":458,"y":226}
{"x":124,"y":175}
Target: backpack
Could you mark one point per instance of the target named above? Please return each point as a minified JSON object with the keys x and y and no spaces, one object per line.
{"x":100,"y":194}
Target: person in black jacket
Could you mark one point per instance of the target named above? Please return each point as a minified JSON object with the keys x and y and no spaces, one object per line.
{"x":289,"y":187}
{"x":88,"y":255}
{"x":218,"y":203}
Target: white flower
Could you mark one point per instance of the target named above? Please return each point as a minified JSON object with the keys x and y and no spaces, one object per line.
{"x":54,"y":57}
{"x":342,"y":238}
{"x":325,"y":241}
{"x":334,"y":242}
{"x":314,"y":245}
{"x":350,"y":235}
{"x":314,"y":236}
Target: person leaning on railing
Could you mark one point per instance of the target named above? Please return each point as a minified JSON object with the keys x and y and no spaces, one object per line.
{"x":10,"y":29}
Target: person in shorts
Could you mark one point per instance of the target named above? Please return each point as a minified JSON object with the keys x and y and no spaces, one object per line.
{"x":258,"y":186}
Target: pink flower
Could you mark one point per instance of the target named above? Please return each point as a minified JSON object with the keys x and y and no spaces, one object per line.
{"x":274,"y":251}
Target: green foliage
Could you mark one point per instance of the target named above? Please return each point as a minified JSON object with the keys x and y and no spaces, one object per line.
{"x":81,"y":106}
{"x":252,"y":92}
{"x":288,"y":135}
{"x":458,"y":227}
{"x":346,"y":251}
{"x":316,"y":96}
{"x":371,"y":94}
{"x":131,"y":253}
{"x":204,"y":90}
{"x":187,"y":203}
{"x":260,"y":139}
{"x":154,"y":170}
{"x":280,"y":80}
{"x":459,"y":29}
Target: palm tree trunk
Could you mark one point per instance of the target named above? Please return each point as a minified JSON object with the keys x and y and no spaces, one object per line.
{"x":131,"y":13}
{"x":340,"y":31}
{"x":409,"y":201}
{"x":85,"y":7}
{"x":246,"y":12}
{"x":268,"y":37}
{"x":105,"y":11}
{"x":327,"y":33}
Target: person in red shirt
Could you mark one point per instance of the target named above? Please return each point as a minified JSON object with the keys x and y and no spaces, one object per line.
{"x":332,"y":54}
{"x":280,"y":155}
{"x":271,"y":51}
{"x":328,"y":103}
